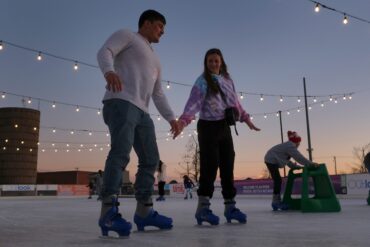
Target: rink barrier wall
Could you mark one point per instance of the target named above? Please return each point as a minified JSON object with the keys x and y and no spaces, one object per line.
{"x":351,"y":185}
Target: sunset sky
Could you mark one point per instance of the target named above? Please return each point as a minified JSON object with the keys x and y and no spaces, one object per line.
{"x":268,"y":45}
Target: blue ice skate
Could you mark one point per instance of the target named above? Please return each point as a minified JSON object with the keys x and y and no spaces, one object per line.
{"x":153,"y":219}
{"x":113,"y":221}
{"x":235,"y":214}
{"x":206,"y":215}
{"x":279,"y":205}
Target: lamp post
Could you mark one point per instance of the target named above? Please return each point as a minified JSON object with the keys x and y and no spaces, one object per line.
{"x":307,"y":121}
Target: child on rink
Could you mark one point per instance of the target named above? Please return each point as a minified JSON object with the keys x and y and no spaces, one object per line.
{"x":188,"y":185}
{"x":279,"y":156}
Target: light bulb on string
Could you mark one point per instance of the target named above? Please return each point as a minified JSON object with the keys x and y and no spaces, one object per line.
{"x":350,"y":97}
{"x":261,"y":98}
{"x":299,"y":100}
{"x":317,"y":7}
{"x":241,"y":96}
{"x":335,"y":100}
{"x":277,"y":114}
{"x":75,"y":67}
{"x":310,"y":108}
{"x":322,"y":104}
{"x":330,"y":98}
{"x":1,"y":45}
{"x":39,"y":57}
{"x":99,"y":112}
{"x":298,"y":110}
{"x":345,"y":19}
{"x":53,"y":105}
{"x":168,"y":85}
{"x":29,"y":101}
{"x":288,"y":113}
{"x":281,"y":99}
{"x":72,"y":132}
{"x":344,"y":97}
{"x":77,"y":108}
{"x":90,"y":133}
{"x":314,"y":99}
{"x":265,"y":116}
{"x":159,"y":118}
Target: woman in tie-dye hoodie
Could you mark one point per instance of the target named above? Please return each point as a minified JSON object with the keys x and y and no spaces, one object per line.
{"x":212,"y":93}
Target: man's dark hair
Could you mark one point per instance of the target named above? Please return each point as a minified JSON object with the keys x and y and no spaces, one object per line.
{"x":151,"y":15}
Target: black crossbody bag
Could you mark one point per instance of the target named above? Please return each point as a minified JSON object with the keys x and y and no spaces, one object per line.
{"x":229,"y":112}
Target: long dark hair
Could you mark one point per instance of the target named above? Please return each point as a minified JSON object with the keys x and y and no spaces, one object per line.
{"x":207,"y":74}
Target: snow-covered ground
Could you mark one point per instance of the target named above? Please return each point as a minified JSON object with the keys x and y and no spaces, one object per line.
{"x":67,"y":221}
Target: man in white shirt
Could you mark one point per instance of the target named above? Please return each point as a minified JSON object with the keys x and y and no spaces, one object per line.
{"x":133,"y":74}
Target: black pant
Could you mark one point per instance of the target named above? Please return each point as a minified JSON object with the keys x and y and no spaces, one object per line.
{"x":275,"y":174}
{"x":216,"y":151}
{"x":161,"y":188}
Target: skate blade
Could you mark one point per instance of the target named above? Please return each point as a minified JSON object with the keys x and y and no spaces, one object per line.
{"x":114,"y":237}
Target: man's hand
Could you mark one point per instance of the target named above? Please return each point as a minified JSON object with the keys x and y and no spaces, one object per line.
{"x":113,"y":82}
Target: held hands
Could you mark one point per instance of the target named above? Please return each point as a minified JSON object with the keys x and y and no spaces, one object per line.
{"x":176,"y":128}
{"x":251,"y":125}
{"x":113,"y":82}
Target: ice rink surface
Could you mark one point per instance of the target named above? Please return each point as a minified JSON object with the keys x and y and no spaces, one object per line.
{"x":67,"y":221}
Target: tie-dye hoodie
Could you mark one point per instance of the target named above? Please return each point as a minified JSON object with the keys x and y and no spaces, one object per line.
{"x":211,"y":106}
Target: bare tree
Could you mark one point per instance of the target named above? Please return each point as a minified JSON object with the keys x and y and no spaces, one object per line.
{"x":265,"y":173}
{"x":359,"y":154}
{"x":190,"y":164}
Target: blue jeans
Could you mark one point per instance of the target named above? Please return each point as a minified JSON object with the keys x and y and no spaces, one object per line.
{"x":129,"y":127}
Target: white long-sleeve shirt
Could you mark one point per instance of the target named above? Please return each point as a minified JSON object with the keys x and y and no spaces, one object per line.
{"x":132,"y":58}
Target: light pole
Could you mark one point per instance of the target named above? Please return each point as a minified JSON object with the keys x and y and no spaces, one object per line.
{"x":307,"y":121}
{"x":282,"y":136}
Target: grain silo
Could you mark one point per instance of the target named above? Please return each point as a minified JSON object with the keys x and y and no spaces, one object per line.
{"x":19,"y":135}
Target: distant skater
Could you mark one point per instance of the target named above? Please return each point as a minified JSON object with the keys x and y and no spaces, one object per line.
{"x":91,"y":187}
{"x":213,"y":95}
{"x":188,"y":185}
{"x":99,"y":183}
{"x":279,"y":156}
{"x":367,"y":165}
{"x":161,"y":179}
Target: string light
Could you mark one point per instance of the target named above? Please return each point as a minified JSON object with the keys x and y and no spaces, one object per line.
{"x":39,"y":57}
{"x":241,"y":96}
{"x":317,"y":8}
{"x":53,"y":105}
{"x":29,"y":101}
{"x":345,"y":19}
{"x":75,"y":67}
{"x":168,"y":85}
{"x":346,"y":15}
{"x":314,"y":99}
{"x":299,"y":100}
{"x":3,"y":95}
{"x":1,"y":45}
{"x":281,"y":98}
{"x":261,"y":98}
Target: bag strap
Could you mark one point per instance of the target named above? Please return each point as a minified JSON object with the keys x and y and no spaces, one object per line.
{"x":224,"y":99}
